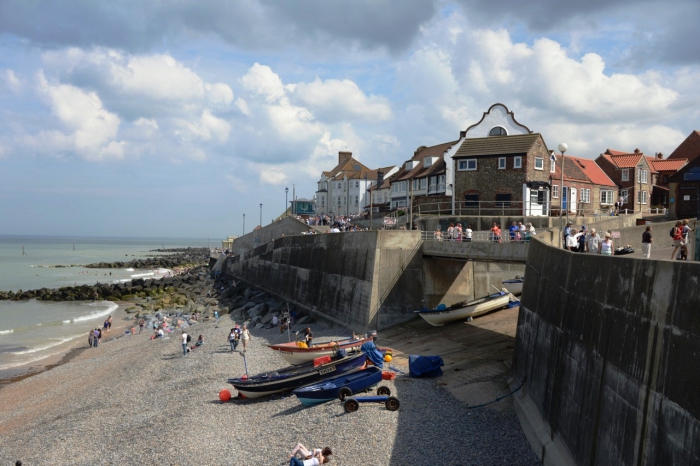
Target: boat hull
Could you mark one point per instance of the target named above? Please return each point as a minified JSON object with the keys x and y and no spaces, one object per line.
{"x":328,"y":389}
{"x":264,"y":384}
{"x":438,"y":318}
{"x":514,"y":287}
{"x":295,"y":355}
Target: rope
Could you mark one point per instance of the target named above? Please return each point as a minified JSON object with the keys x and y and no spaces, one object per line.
{"x":500,"y":397}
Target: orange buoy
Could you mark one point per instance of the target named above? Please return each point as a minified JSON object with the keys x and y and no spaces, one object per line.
{"x":224,"y":395}
{"x":387,"y":358}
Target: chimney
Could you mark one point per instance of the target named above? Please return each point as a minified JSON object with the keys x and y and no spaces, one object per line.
{"x":344,"y":155}
{"x":380,"y":178}
{"x":659,"y":155}
{"x":636,"y":151}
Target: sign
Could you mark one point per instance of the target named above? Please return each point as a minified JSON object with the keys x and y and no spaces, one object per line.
{"x":389,"y":221}
{"x":686,"y":197}
{"x":615,"y":234}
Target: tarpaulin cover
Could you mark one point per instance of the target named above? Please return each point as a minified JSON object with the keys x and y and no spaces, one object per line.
{"x":370,"y":349}
{"x":425,"y":366}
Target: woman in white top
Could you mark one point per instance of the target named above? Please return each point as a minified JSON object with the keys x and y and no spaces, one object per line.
{"x":572,"y":241}
{"x":606,"y":246}
{"x":438,"y":234}
{"x":468,"y":234}
{"x":458,"y":232}
{"x":314,"y":457}
{"x":245,"y":336}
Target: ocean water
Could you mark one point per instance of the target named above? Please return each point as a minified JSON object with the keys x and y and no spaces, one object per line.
{"x":32,"y":332}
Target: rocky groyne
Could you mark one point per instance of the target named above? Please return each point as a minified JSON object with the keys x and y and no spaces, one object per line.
{"x":181,"y":257}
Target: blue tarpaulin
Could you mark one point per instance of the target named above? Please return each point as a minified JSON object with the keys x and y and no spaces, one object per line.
{"x":374,"y":355}
{"x":425,"y":366}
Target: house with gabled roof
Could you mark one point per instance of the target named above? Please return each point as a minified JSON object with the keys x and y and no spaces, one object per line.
{"x":633,"y":174}
{"x":684,"y":185}
{"x":590,"y":190}
{"x":662,"y":171}
{"x":343,"y":191}
{"x":688,"y":149}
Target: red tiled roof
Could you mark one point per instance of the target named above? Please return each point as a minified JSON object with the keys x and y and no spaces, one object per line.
{"x":625,"y":160}
{"x":615,"y":152}
{"x":420,"y":171}
{"x":666,"y":165}
{"x":594,"y":173}
{"x":688,"y":149}
{"x":572,"y":171}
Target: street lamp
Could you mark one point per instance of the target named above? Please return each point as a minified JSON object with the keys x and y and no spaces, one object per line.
{"x":286,"y":205}
{"x":640,"y":167}
{"x":244,"y":224}
{"x":261,"y":215}
{"x":563,"y":147}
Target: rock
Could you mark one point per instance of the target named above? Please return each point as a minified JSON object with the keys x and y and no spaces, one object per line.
{"x":268,"y":317}
{"x":259,"y":325}
{"x":303,"y":320}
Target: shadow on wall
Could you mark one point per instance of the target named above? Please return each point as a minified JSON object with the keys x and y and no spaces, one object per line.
{"x":609,"y":346}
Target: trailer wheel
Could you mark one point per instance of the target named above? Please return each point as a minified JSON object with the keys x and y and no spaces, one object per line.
{"x":343,"y":393}
{"x":383,"y":391}
{"x":392,"y":403}
{"x":351,"y":405}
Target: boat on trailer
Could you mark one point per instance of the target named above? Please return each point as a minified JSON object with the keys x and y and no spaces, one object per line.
{"x":442,"y":314}
{"x":269,"y":383}
{"x":340,"y":386}
{"x":296,"y":355}
{"x":514,"y":286}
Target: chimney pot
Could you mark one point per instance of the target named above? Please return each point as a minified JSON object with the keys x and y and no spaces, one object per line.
{"x":344,"y":155}
{"x":636,"y":151}
{"x":659,"y":155}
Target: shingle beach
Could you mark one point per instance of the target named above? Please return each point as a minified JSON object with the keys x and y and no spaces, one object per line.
{"x":135,"y":400}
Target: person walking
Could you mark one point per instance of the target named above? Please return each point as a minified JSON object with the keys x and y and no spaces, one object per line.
{"x":90,"y":337}
{"x":646,"y":242}
{"x":438,"y":234}
{"x":566,"y":234}
{"x":582,"y":240}
{"x":142,"y":323}
{"x":593,"y":241}
{"x":606,"y":247}
{"x":468,"y":234}
{"x":677,"y":235}
{"x":450,"y":232}
{"x":245,"y":336}
{"x":184,"y":343}
{"x":95,"y":338}
{"x":232,"y":339}
{"x":685,"y":233}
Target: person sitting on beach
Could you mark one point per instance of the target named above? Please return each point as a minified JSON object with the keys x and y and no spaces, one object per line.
{"x":315,"y":457}
{"x":199,"y":342}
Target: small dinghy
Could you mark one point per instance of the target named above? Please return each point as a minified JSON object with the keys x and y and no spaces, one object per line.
{"x":514,"y":286}
{"x":269,"y":383}
{"x":339,"y":387}
{"x":294,"y":354}
{"x":442,"y":314}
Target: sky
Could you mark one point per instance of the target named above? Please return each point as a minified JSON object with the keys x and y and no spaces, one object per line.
{"x":155,"y":118}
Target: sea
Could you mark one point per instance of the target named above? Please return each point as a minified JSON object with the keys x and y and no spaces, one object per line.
{"x":34,"y":333}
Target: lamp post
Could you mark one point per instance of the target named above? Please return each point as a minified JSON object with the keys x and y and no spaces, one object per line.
{"x":286,"y":202}
{"x":261,"y":215}
{"x":640,"y":167}
{"x":563,"y":147}
{"x":244,"y":224}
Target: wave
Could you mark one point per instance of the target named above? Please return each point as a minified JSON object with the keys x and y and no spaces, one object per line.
{"x":50,"y":345}
{"x":96,"y":315}
{"x":28,"y":361}
{"x":139,"y":275}
{"x":5,"y":332}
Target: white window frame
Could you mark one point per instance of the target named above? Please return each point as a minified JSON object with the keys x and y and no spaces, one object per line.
{"x":540,"y":161}
{"x":644,"y":196}
{"x":552,"y":166}
{"x":424,"y":183}
{"x":518,"y":162}
{"x":555,"y":191}
{"x":625,"y":195}
{"x":586,"y":195}
{"x":501,"y":163}
{"x":643,"y":176}
{"x":416,"y":184}
{"x":610,"y":197}
{"x":625,"y":174}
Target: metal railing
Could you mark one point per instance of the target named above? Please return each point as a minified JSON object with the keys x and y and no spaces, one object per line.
{"x":479,"y":237}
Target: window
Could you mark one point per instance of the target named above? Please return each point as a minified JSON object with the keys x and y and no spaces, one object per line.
{"x":555,"y":191}
{"x":625,"y":175}
{"x":643,"y":195}
{"x":471,"y":200}
{"x":467,"y":164}
{"x":338,"y":201}
{"x":432,"y":184}
{"x":497,"y":131}
{"x":503,"y":200}
{"x":586,"y":196}
{"x":323,"y":202}
{"x":441,"y":183}
{"x":357,"y":184}
{"x":624,"y":195}
{"x":606,"y":197}
{"x":339,"y":185}
{"x":552,"y":166}
{"x":356,"y":200}
{"x":416,"y":184}
{"x":533,"y":197}
{"x":643,"y":176}
{"x":540,"y":196}
{"x":518,"y":162}
{"x":501,"y":163}
{"x":539,"y":163}
{"x":424,"y":183}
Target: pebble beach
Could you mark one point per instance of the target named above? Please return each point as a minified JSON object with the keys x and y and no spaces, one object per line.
{"x":135,"y":400}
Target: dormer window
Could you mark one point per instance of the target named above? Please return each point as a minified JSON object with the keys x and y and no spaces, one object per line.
{"x":498,"y":131}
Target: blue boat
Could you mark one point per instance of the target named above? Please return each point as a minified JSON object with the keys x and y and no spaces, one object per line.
{"x":269,"y":383}
{"x":330,"y":389}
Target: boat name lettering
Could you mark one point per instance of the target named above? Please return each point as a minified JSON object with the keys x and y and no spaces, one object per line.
{"x":286,"y":352}
{"x":326,"y":370}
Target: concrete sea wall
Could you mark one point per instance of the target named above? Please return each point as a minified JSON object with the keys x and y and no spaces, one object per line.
{"x":288,"y":226}
{"x":610,"y":350}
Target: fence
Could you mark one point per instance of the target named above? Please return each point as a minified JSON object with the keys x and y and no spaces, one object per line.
{"x":479,"y":237}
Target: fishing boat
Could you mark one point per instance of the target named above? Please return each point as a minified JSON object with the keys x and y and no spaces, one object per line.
{"x":442,"y":314}
{"x":349,"y":384}
{"x":514,"y":286}
{"x":269,"y":383}
{"x":296,"y":355}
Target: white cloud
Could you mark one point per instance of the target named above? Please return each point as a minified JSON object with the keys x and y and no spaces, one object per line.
{"x":336,"y":99}
{"x":208,"y":128}
{"x":242,"y":105}
{"x":219,"y":94}
{"x":91,"y":128}
{"x":261,"y":80}
{"x":12,"y":82}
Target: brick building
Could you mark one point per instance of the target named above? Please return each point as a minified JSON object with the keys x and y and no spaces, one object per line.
{"x":587,"y":189}
{"x":684,"y":185}
{"x":633,"y":174}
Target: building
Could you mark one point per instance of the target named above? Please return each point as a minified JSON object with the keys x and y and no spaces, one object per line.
{"x":303,"y":207}
{"x":344,"y":189}
{"x":684,"y":185}
{"x":664,"y":169}
{"x":422,"y":178}
{"x":633,"y":174}
{"x":587,"y":189}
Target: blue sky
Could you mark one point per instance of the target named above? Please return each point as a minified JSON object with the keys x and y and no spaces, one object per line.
{"x":141,"y":118}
